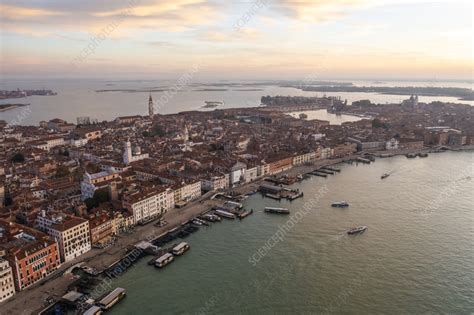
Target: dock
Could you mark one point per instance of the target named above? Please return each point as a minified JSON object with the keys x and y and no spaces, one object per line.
{"x":332,"y":169}
{"x":324,"y":171}
{"x":315,"y":173}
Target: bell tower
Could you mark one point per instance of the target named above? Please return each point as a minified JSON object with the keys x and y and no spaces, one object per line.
{"x":151,"y":108}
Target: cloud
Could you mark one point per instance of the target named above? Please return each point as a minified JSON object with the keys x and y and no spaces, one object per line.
{"x":317,"y":11}
{"x":134,"y":16}
{"x":20,"y":13}
{"x":244,"y":34}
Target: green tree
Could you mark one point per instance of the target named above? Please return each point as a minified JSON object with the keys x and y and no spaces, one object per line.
{"x":377,"y":123}
{"x":18,"y":158}
{"x":62,"y":171}
{"x":158,"y":131}
{"x":100,"y":196}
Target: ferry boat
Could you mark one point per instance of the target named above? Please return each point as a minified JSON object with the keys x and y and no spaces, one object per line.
{"x":385,"y":175}
{"x":179,"y":249}
{"x":164,"y":260}
{"x":111,"y":299}
{"x":225,"y":214}
{"x":356,"y":230}
{"x":277,"y":210}
{"x":340,"y":204}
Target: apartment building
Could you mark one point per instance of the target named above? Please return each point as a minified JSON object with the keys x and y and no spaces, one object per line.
{"x":72,"y":233}
{"x":32,"y":255}
{"x":146,"y":205}
{"x":7,"y":287}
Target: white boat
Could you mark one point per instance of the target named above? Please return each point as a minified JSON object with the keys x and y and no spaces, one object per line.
{"x":180,"y":248}
{"x":164,"y":260}
{"x":225,"y":214}
{"x":357,"y":230}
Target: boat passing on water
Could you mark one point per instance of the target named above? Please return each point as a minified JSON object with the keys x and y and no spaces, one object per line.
{"x":340,"y":204}
{"x":179,"y":249}
{"x":385,"y":175}
{"x":277,"y":210}
{"x":164,"y":260}
{"x":357,"y":230}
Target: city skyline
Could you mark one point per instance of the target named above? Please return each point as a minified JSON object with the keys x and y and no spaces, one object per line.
{"x":265,"y":39}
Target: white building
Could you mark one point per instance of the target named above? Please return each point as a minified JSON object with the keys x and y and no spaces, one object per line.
{"x":91,"y":182}
{"x":263,"y":169}
{"x":7,"y":287}
{"x":325,"y":153}
{"x":49,"y":143}
{"x":304,"y":158}
{"x":189,"y":191}
{"x":215,"y":182}
{"x":237,"y":174}
{"x":251,"y":174}
{"x":391,"y":144}
{"x":70,"y":232}
{"x":149,"y":205}
{"x":136,"y":155}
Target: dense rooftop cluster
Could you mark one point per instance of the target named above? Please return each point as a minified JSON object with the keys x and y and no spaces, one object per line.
{"x":66,"y":188}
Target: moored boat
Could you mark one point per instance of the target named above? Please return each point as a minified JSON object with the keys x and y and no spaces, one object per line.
{"x":225,"y":214}
{"x":111,"y":299}
{"x":357,"y":230}
{"x":179,"y":249}
{"x":164,"y":260}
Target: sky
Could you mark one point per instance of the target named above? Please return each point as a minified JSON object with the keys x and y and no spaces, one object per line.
{"x":237,"y":39}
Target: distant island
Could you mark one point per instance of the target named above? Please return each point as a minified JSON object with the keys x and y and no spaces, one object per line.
{"x":461,"y":93}
{"x":210,"y":90}
{"x":212,"y":104}
{"x":310,"y":83}
{"x":5,"y":107}
{"x":7,"y":94}
{"x":130,"y":90}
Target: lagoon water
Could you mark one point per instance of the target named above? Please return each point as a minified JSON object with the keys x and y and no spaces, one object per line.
{"x":416,"y":257}
{"x":80,"y":97}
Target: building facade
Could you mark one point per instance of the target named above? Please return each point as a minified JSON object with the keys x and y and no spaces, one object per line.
{"x":7,"y":287}
{"x":71,"y":233}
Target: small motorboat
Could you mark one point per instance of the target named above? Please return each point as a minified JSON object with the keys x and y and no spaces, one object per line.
{"x":357,"y":230}
{"x":340,"y":204}
{"x":385,"y":175}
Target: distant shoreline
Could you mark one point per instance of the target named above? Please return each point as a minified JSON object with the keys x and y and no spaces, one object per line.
{"x":5,"y":107}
